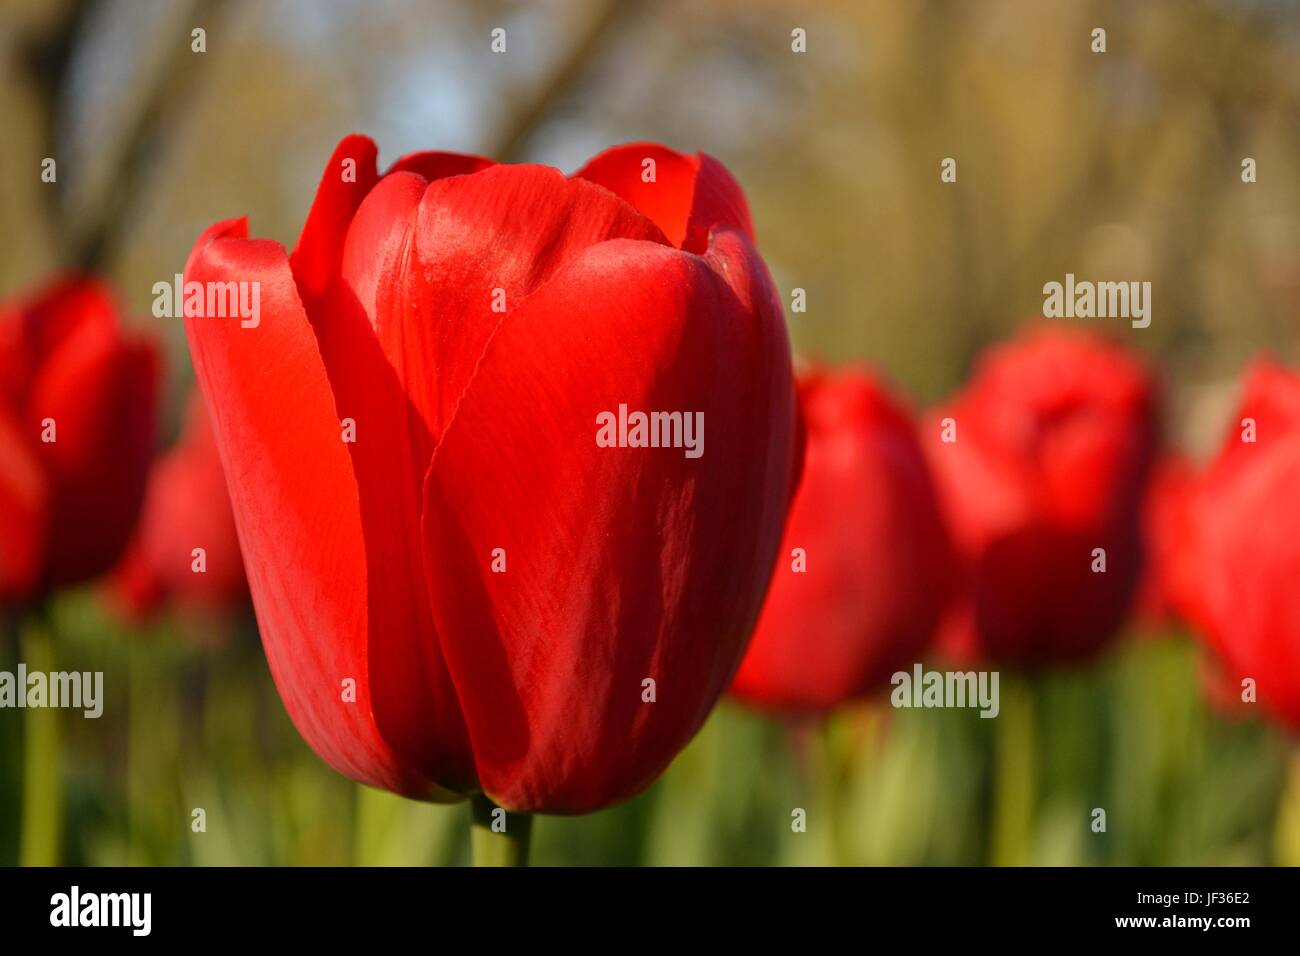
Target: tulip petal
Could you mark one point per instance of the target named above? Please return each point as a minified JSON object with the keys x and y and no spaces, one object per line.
{"x":687,"y":198}
{"x":433,"y":164}
{"x":296,"y":507}
{"x":389,"y":459}
{"x":477,"y":249}
{"x":622,"y":564}
{"x":348,"y":177}
{"x":420,"y":263}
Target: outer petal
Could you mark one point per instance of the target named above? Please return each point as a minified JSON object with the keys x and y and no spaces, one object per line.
{"x":689,"y":196}
{"x":348,"y":177}
{"x":622,"y":563}
{"x":296,"y":506}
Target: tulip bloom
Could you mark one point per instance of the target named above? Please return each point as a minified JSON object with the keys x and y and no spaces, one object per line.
{"x":866,"y":564}
{"x":77,"y":406}
{"x":186,"y":510}
{"x":1042,"y":461}
{"x":1244,"y":544}
{"x":459,"y":587}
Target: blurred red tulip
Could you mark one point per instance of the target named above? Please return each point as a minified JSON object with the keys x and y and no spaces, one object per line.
{"x":1245,"y":544}
{"x":1164,"y":533}
{"x":77,"y":406}
{"x":866,"y":565}
{"x":457,"y":586}
{"x":1042,"y":462}
{"x":186,"y":508}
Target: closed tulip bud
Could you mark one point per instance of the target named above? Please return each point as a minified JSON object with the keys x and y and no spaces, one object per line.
{"x":1244,"y":546}
{"x":77,"y":410}
{"x":448,"y":504}
{"x":1043,"y":480}
{"x":866,"y":565}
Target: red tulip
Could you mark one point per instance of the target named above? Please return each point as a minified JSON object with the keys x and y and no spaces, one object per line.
{"x":1043,"y":475}
{"x":497,"y":587}
{"x":186,"y":508}
{"x":1245,"y":544}
{"x":866,"y":564}
{"x":77,"y":402}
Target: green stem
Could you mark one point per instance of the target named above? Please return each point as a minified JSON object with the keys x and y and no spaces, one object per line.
{"x":828,"y":777}
{"x":1287,"y":835}
{"x":154,"y":722}
{"x":42,"y":785}
{"x":1015,"y":775}
{"x":498,"y":838}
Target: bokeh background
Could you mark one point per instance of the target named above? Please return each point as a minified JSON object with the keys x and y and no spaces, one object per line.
{"x":1125,"y":164}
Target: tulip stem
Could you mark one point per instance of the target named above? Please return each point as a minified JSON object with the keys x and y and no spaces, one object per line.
{"x":829,"y":776}
{"x":42,"y":784}
{"x":1015,"y":775}
{"x":1287,"y":835}
{"x":498,"y":838}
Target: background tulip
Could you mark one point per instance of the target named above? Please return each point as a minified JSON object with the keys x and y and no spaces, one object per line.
{"x":521,"y":610}
{"x":77,"y":408}
{"x":1053,"y":439}
{"x":186,"y":507}
{"x":1244,"y":548}
{"x":864,"y":595}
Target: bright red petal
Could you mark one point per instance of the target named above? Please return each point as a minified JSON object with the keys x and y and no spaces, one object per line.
{"x":348,"y":177}
{"x":438,"y":165}
{"x":622,"y":563}
{"x":688,"y":197}
{"x":296,"y":506}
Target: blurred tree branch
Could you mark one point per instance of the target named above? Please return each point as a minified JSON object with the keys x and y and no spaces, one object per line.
{"x":90,"y":243}
{"x":516,"y":133}
{"x":143,"y":146}
{"x":45,"y":59}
